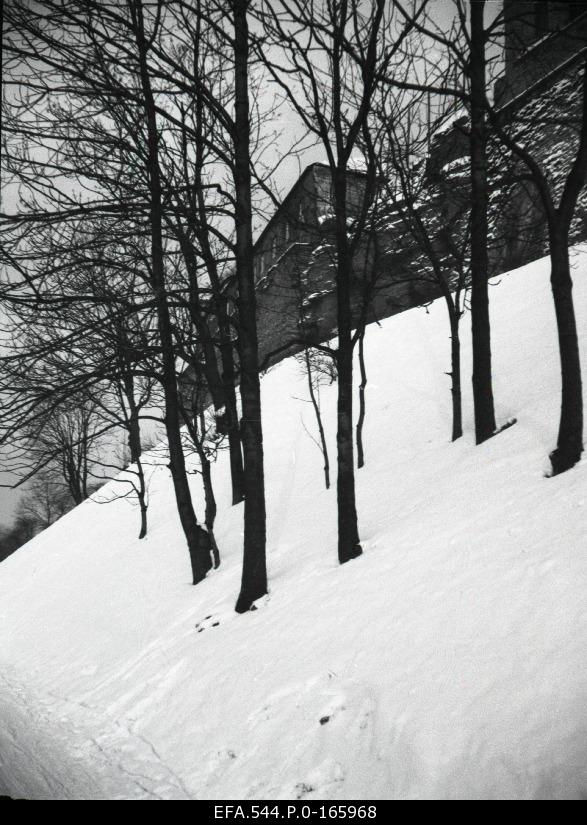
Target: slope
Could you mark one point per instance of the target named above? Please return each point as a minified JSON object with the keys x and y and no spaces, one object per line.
{"x":449,"y":661}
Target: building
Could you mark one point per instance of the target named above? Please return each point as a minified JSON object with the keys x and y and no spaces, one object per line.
{"x":295,"y":272}
{"x":294,"y":260}
{"x":294,"y":265}
{"x":540,"y":39}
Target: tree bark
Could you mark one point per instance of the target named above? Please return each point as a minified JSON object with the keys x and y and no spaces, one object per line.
{"x":210,"y":499}
{"x":481,"y":330}
{"x":455,"y":372}
{"x":348,"y":530}
{"x":196,"y":424}
{"x":143,"y":530}
{"x":254,"y":573}
{"x":570,"y":436}
{"x":134,"y":443}
{"x":362,"y":410}
{"x":234,"y":436}
{"x":136,"y":451}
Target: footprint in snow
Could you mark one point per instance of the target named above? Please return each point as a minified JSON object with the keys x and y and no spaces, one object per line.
{"x":209,"y":621}
{"x":214,"y":620}
{"x":335,"y":706}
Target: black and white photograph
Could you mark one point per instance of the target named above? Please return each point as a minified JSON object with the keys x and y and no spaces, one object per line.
{"x":293,"y":317}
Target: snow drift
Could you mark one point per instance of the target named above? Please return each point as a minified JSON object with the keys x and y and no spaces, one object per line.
{"x":449,"y":661}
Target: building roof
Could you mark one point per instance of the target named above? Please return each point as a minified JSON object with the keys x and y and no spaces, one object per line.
{"x":309,"y":170}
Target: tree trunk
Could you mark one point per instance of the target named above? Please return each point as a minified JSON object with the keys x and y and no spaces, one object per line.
{"x":481,"y":331}
{"x":196,"y":425}
{"x":362,"y":410}
{"x":135,"y":447}
{"x":143,"y":506}
{"x":141,"y":495}
{"x":455,"y":373}
{"x":318,"y":415}
{"x":197,"y":539}
{"x":210,"y":499}
{"x":348,"y":531}
{"x":232,"y":423}
{"x":254,"y":574}
{"x":85,"y":469}
{"x":570,"y":437}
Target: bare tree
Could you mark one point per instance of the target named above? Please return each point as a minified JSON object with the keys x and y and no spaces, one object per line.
{"x":102,"y":54}
{"x":426,"y":221}
{"x":254,"y":577}
{"x":559,"y":178}
{"x":485,"y":425}
{"x":45,"y":500}
{"x":197,"y":538}
{"x":204,"y":438}
{"x":313,"y":366}
{"x":124,"y":402}
{"x":199,"y":220}
{"x":331,"y":59}
{"x":64,"y":437}
{"x":452,"y":64}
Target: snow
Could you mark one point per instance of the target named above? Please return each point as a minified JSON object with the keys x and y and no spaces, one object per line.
{"x":450,"y":659}
{"x":456,"y":165}
{"x":325,"y":216}
{"x":315,"y":296}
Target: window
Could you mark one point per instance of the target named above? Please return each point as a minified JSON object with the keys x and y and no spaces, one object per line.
{"x":274,"y":248}
{"x":287,"y":231}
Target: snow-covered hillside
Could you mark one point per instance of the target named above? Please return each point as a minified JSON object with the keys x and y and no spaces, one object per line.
{"x":449,"y":661}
